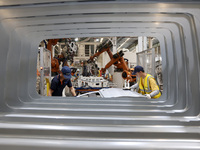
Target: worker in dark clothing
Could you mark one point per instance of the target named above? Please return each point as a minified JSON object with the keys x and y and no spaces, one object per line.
{"x":59,"y":82}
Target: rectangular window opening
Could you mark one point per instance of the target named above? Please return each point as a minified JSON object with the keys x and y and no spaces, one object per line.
{"x":96,"y":65}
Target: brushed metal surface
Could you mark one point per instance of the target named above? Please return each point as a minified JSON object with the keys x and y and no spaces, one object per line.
{"x":29,"y":121}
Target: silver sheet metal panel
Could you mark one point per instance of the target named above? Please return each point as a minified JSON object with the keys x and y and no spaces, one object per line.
{"x":30,"y":121}
{"x":117,"y":92}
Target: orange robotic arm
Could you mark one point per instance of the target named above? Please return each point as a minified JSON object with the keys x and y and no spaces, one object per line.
{"x":99,"y":53}
{"x":105,"y":47}
{"x":119,"y":62}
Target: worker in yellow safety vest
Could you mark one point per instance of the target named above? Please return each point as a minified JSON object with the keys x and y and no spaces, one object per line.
{"x":146,"y":84}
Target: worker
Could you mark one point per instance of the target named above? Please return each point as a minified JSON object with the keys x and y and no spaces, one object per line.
{"x":146,"y":83}
{"x":77,"y":73}
{"x":59,"y":82}
{"x":75,"y":76}
{"x":108,"y":76}
{"x":99,"y":72}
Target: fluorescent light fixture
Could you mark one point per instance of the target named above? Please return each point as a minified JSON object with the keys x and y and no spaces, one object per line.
{"x":123,"y":43}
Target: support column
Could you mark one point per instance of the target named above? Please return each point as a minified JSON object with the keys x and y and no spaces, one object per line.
{"x":142,"y":43}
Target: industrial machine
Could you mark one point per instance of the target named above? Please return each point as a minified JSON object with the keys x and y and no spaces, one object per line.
{"x":66,"y":55}
{"x":117,"y":60}
{"x":89,"y":84}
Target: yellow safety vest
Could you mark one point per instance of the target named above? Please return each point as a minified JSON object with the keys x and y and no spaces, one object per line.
{"x":146,"y":86}
{"x":99,"y":73}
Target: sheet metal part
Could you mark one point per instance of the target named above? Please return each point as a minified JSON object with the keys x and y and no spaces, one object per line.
{"x":29,"y":121}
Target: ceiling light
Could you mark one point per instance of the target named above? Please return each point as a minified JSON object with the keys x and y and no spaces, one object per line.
{"x":123,"y":43}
